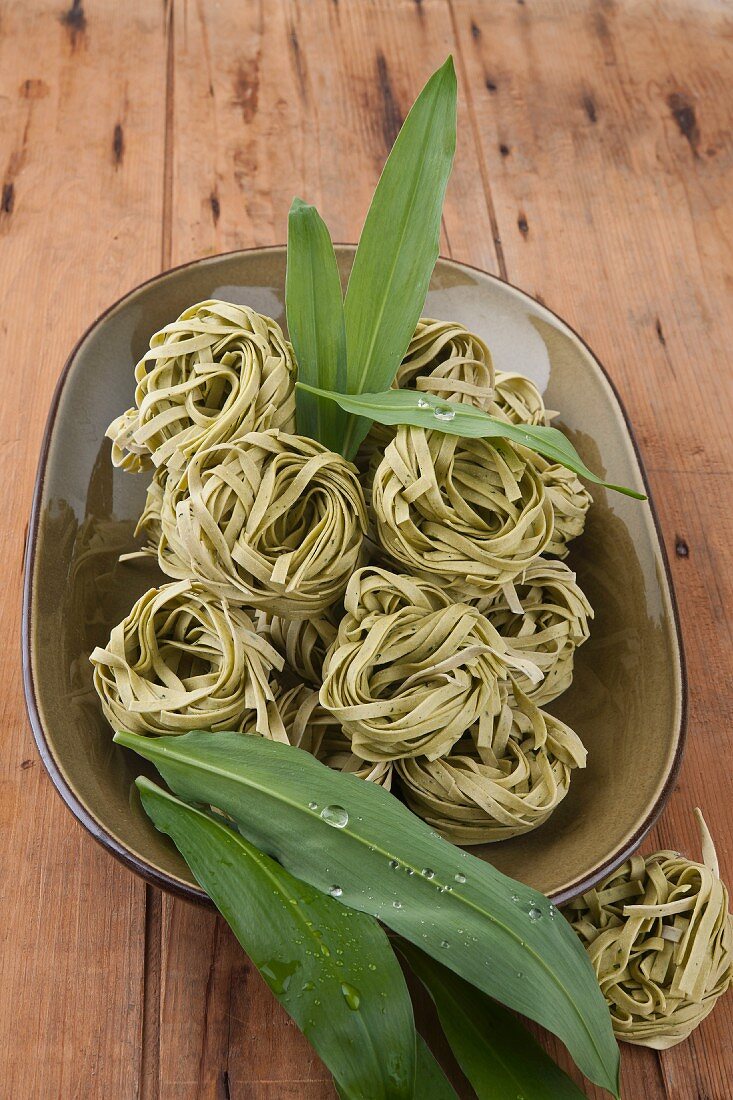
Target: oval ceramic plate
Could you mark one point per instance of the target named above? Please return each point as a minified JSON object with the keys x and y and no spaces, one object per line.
{"x":627,"y":700}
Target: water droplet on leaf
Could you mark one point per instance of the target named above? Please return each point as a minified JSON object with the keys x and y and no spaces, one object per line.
{"x":351,"y":996}
{"x":460,"y":878}
{"x":428,"y":872}
{"x":335,"y":891}
{"x":335,"y":816}
{"x":534,"y":913}
{"x":277,"y":974}
{"x":444,"y":414}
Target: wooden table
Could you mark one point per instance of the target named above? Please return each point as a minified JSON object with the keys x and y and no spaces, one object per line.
{"x":593,"y":170}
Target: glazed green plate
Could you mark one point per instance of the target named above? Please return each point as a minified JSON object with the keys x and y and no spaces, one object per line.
{"x":628,"y":698}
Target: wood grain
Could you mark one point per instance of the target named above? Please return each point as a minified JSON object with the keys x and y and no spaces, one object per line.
{"x":80,"y":222}
{"x":593,"y":169}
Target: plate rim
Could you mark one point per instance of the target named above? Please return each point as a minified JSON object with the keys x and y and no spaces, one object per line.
{"x":83,"y":815}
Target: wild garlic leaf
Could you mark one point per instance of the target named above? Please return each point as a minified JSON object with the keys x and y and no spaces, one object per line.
{"x":423,"y":410}
{"x":315,"y":314}
{"x":328,"y":827}
{"x":430,"y":1081}
{"x":495,"y":1051}
{"x":330,"y":967}
{"x":399,"y":244}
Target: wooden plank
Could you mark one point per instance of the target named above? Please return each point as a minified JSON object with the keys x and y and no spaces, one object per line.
{"x":81,"y":190}
{"x":606,"y":133}
{"x":286,"y":99}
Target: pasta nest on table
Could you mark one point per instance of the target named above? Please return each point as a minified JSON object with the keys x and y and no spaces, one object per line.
{"x":270,"y":520}
{"x":472,"y":513}
{"x":219,"y":370}
{"x":309,"y":726}
{"x":410,"y":670}
{"x":660,"y":938}
{"x":543,"y":616}
{"x":501,"y":779}
{"x":184,"y":660}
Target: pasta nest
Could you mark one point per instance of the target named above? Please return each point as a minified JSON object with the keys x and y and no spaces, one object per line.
{"x":311,"y":727}
{"x":302,"y":642}
{"x":542,"y":616}
{"x":570,"y":502}
{"x":219,"y":370}
{"x":270,"y":521}
{"x":448,"y":361}
{"x":660,"y":938}
{"x":183,"y":660}
{"x":518,"y":401}
{"x":502,"y":778}
{"x":444,"y":359}
{"x":410,"y":670}
{"x":471,"y":512}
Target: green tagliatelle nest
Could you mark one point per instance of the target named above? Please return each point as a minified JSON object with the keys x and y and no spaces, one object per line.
{"x":411,"y":670}
{"x":468,"y":512}
{"x":501,"y":779}
{"x":405,"y":624}
{"x":518,"y":400}
{"x":310,"y":726}
{"x":448,"y":361}
{"x":543,"y":617}
{"x":183,"y":660}
{"x":660,"y":938}
{"x":220,"y":369}
{"x":269,"y":520}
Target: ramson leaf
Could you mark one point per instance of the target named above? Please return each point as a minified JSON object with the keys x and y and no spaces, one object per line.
{"x":315,"y":315}
{"x":398,"y":246}
{"x":329,"y":828}
{"x":495,"y":1051}
{"x":330,"y":967}
{"x":423,"y":410}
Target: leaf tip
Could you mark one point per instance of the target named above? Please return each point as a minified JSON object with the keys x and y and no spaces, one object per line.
{"x":298,"y":205}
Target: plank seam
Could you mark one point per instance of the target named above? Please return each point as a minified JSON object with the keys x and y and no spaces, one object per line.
{"x":485,"y":182}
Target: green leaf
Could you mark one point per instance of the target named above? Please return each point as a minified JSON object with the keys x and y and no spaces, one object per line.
{"x":487,"y":928}
{"x":430,"y":1081}
{"x":495,"y":1051}
{"x":315,"y":313}
{"x":331,"y":968}
{"x":401,"y":407}
{"x":399,"y":244}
